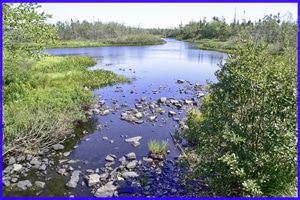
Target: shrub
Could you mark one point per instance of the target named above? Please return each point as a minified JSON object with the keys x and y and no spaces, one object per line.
{"x":246,"y":131}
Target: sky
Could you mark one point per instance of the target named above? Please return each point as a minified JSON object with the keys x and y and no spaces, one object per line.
{"x":163,"y":15}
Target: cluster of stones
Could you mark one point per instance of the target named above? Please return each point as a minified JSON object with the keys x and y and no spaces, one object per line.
{"x":145,"y":111}
{"x":105,"y":181}
{"x":15,"y":174}
{"x":132,"y":178}
{"x":146,"y":177}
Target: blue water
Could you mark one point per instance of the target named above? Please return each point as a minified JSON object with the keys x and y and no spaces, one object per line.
{"x":155,"y":67}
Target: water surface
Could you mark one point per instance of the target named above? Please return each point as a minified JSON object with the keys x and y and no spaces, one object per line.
{"x":156,"y":67}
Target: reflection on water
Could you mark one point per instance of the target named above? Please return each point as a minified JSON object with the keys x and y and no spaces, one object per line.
{"x":157,"y":62}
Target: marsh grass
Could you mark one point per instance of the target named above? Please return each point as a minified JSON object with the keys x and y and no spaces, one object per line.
{"x":42,"y":98}
{"x":128,"y":40}
{"x":155,"y":147}
{"x":216,"y":45}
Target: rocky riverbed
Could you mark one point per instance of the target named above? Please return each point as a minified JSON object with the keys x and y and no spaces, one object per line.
{"x":54,"y":172}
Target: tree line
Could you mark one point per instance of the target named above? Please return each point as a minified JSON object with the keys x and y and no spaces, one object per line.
{"x":77,"y":30}
{"x":272,"y":29}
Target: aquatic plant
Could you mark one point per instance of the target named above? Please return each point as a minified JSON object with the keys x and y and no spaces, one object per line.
{"x":157,"y":150}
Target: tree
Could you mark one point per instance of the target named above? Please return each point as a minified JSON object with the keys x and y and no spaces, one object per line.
{"x":23,"y":24}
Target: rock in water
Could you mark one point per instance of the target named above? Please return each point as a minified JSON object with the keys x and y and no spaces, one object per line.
{"x":152,"y":118}
{"x":201,"y":94}
{"x":136,"y":144}
{"x":129,"y":174}
{"x":171,"y":113}
{"x":105,"y":112}
{"x":93,"y":179}
{"x":74,"y":179}
{"x":139,"y":121}
{"x":106,"y":191}
{"x":131,"y":156}
{"x":109,"y":158}
{"x":39,"y":184}
{"x":163,"y":99}
{"x":150,"y":160}
{"x":131,"y":164}
{"x":139,"y":115}
{"x":133,"y":139}
{"x":24,"y":184}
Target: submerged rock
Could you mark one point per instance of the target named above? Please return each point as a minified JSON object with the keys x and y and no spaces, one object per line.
{"x":24,"y":184}
{"x":136,"y":144}
{"x":74,"y":179}
{"x":39,"y":184}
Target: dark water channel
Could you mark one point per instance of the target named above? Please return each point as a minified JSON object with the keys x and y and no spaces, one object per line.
{"x":154,"y":71}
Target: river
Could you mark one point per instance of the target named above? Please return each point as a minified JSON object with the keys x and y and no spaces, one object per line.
{"x":155,"y":71}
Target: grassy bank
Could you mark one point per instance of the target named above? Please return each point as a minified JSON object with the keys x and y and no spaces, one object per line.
{"x":230,"y":45}
{"x":42,"y":99}
{"x":215,"y":45}
{"x":129,"y":40}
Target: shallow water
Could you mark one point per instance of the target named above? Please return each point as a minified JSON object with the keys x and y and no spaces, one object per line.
{"x":156,"y":67}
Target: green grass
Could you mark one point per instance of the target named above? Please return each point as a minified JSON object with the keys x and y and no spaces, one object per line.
{"x":129,"y":40}
{"x":157,"y":148}
{"x":215,"y":45}
{"x":42,"y":99}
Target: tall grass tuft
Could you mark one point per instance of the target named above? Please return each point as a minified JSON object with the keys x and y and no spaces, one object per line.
{"x":155,"y":147}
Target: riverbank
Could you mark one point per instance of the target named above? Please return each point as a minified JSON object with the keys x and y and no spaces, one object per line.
{"x":215,"y":45}
{"x":130,"y":40}
{"x":42,"y":99}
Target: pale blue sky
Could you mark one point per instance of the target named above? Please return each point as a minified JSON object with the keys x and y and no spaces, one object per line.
{"x":163,"y":15}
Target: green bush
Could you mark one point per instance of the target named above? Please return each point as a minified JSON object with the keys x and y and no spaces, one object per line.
{"x":246,"y":131}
